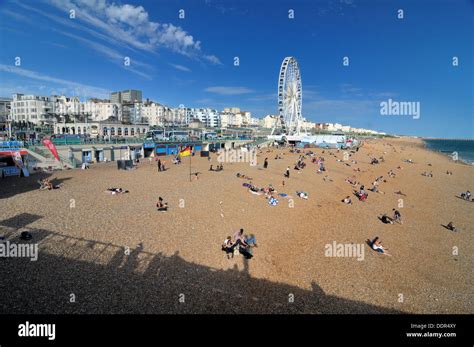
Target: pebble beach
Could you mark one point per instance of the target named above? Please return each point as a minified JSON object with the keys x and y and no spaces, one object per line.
{"x":117,"y":254}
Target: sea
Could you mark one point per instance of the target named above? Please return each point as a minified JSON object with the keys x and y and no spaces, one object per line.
{"x":463,"y":148}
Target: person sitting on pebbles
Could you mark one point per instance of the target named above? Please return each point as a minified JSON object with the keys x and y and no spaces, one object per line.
{"x":397,"y":217}
{"x":451,"y":227}
{"x":161,"y":205}
{"x":228,"y":247}
{"x":376,"y":245}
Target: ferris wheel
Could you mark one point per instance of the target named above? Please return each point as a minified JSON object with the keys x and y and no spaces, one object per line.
{"x":290,"y":93}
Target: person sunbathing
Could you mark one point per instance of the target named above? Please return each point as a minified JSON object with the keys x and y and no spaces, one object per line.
{"x":466,"y":195}
{"x":376,"y":245}
{"x":46,"y":184}
{"x":302,"y":195}
{"x":347,"y":200}
{"x":43,"y":185}
{"x":374,"y":161}
{"x":114,"y":191}
{"x":161,"y":205}
{"x":386,"y":219}
{"x":374,"y":189}
{"x":254,"y":188}
{"x":351,"y":181}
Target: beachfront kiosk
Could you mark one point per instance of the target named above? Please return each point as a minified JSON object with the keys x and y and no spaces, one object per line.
{"x":13,"y":159}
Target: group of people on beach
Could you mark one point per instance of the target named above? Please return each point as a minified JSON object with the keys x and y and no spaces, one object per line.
{"x":161,"y":165}
{"x":397,"y":218}
{"x":239,"y":243}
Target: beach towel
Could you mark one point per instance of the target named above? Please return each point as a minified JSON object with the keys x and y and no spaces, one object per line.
{"x":272,"y":202}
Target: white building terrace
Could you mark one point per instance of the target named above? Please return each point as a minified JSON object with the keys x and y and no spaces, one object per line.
{"x":101,"y":129}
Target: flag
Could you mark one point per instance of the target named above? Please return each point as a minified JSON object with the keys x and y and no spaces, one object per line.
{"x":17,"y":159}
{"x":185,"y":152}
{"x":48,"y":143}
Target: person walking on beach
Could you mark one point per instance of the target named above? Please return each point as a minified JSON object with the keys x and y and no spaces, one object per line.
{"x":159,"y":165}
{"x":287,"y":174}
{"x":265,"y":163}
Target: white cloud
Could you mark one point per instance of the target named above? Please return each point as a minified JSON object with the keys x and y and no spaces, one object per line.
{"x":73,"y":88}
{"x":181,"y":67}
{"x":228,"y":90}
{"x":212,"y":59}
{"x":131,"y":25}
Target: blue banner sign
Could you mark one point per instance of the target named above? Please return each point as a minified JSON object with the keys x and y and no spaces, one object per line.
{"x":10,"y":144}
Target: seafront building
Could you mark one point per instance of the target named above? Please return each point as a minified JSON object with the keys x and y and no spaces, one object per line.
{"x":5,"y":108}
{"x":102,"y":129}
{"x":31,"y":108}
{"x":127,"y":107}
{"x":126,"y":96}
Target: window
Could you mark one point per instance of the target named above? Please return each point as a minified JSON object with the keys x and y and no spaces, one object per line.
{"x":125,"y":131}
{"x":112,"y":131}
{"x":119,"y":131}
{"x":132,"y":132}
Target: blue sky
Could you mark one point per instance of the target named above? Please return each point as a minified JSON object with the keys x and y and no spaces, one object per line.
{"x":190,"y":61}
